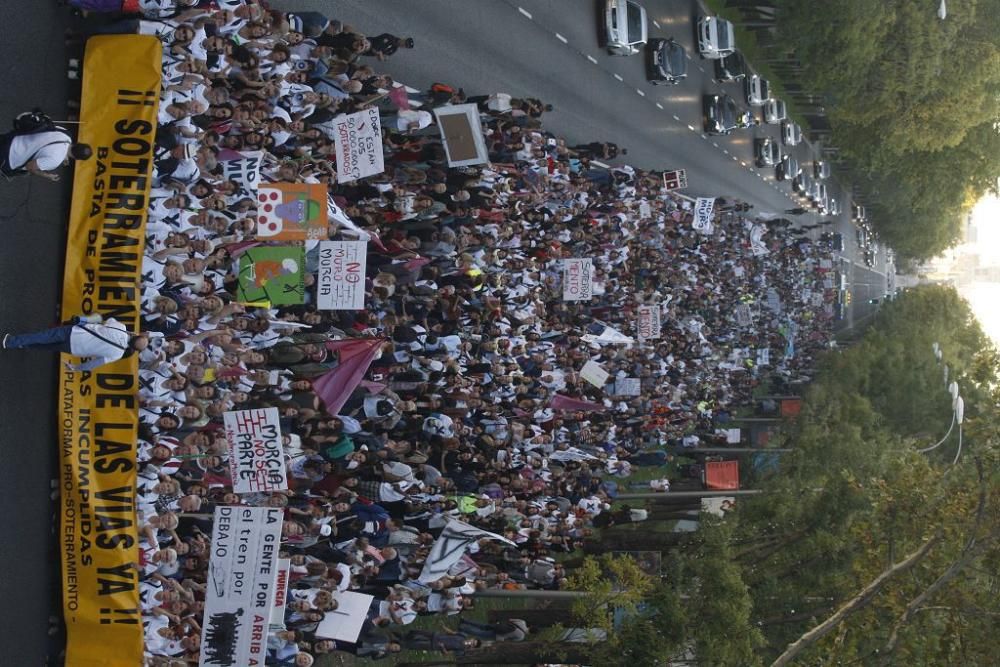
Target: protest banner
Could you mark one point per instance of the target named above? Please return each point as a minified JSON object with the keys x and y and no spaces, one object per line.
{"x":273,"y":274}
{"x":627,"y":387}
{"x":648,"y":323}
{"x":449,"y":547}
{"x":344,"y":623}
{"x":462,"y":134}
{"x":577,"y":279}
{"x":98,"y":410}
{"x":594,"y":374}
{"x":675,"y":179}
{"x":703,"y":209}
{"x":357,"y":140}
{"x":340,"y":282}
{"x":239,"y":592}
{"x":243,"y":169}
{"x":757,"y":245}
{"x":605,"y":335}
{"x":281,"y":582}
{"x":291,"y":211}
{"x":256,"y":458}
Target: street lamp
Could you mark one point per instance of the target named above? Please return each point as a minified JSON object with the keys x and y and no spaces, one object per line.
{"x":942,"y":11}
{"x":957,"y":409}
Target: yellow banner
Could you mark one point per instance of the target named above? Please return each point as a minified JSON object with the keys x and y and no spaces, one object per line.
{"x":98,"y":410}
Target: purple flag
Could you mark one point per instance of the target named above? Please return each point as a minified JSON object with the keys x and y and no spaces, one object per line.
{"x":356,"y":355}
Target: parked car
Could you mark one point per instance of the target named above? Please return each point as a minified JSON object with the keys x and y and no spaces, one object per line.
{"x":821,"y":169}
{"x":833,"y":240}
{"x":625,"y":27}
{"x":788,"y":168}
{"x":731,"y":68}
{"x":803,"y":184}
{"x":859,"y":213}
{"x":767,"y":152}
{"x":758,"y":90}
{"x":666,"y":61}
{"x":716,"y":37}
{"x":834,"y":207}
{"x":791,"y":133}
{"x":721,"y":115}
{"x":819,"y":194}
{"x":775,"y":112}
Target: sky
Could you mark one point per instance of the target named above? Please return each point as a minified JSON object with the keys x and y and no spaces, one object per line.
{"x":984,"y":297}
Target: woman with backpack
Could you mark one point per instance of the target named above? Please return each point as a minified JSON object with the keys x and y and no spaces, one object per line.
{"x":38,"y":146}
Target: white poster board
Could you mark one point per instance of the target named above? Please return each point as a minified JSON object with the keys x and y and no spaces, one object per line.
{"x":256,"y":457}
{"x":357,"y":139}
{"x":340,"y":281}
{"x":757,"y":244}
{"x":244,"y":171}
{"x":462,"y":134}
{"x":343,"y":624}
{"x":594,"y":374}
{"x":281,"y":582}
{"x":628,"y":387}
{"x":732,"y":436}
{"x":764,"y":356}
{"x":577,"y":279}
{"x":703,"y":208}
{"x":648,"y":323}
{"x":239,"y":589}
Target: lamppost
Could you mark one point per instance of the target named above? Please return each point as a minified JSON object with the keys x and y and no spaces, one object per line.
{"x":942,"y":11}
{"x":957,"y":408}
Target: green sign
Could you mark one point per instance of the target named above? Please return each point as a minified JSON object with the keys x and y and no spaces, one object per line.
{"x":273,"y":274}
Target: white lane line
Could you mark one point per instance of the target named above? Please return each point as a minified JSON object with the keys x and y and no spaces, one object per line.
{"x":691,"y":127}
{"x":618,"y":76}
{"x":688,"y":55}
{"x":524,"y":11}
{"x":676,"y":117}
{"x":640,"y":92}
{"x":725,"y":151}
{"x":656,"y":24}
{"x":704,"y":137}
{"x":659,"y":106}
{"x":592,"y":59}
{"x":735,"y":159}
{"x":562,"y":39}
{"x":715,"y":144}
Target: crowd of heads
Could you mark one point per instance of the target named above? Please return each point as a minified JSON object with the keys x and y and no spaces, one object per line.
{"x":464,"y":285}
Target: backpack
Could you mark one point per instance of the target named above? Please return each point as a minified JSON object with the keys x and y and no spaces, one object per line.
{"x":33,"y":122}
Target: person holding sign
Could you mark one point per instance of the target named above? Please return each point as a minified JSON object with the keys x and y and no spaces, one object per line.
{"x":87,"y":336}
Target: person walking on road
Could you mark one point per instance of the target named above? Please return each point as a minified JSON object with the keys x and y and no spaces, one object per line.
{"x":87,"y":337}
{"x":796,"y":211}
{"x":39,"y":152}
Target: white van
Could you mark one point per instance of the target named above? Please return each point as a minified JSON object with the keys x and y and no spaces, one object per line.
{"x":624,"y":27}
{"x":716,"y":38}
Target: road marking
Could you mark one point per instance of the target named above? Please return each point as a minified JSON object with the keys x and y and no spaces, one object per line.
{"x":704,"y":137}
{"x":659,"y":106}
{"x":592,"y":59}
{"x":640,"y":92}
{"x":656,"y":24}
{"x":725,"y":151}
{"x":715,"y":144}
{"x":676,"y":117}
{"x":562,"y":39}
{"x":688,"y":55}
{"x":691,"y":127}
{"x":524,"y":11}
{"x":735,"y":159}
{"x":743,"y":163}
{"x":701,"y":68}
{"x":618,"y":76}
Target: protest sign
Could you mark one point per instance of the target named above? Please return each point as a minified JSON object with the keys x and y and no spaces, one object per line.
{"x":357,"y":139}
{"x":594,"y":374}
{"x":256,"y":458}
{"x":627,"y":387}
{"x":743,"y":315}
{"x":344,"y":623}
{"x":243,"y":169}
{"x":757,"y":245}
{"x":272,"y":274}
{"x":733,"y":436}
{"x":764,"y":356}
{"x":703,"y":209}
{"x":648,"y":323}
{"x":577,"y":279}
{"x":291,"y":211}
{"x":98,"y":421}
{"x":605,"y":335}
{"x":281,"y":582}
{"x":462,"y":134}
{"x":449,"y":547}
{"x":340,"y":283}
{"x":239,"y":592}
{"x":675,"y":180}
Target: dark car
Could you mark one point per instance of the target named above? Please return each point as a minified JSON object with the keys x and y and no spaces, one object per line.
{"x":731,"y":68}
{"x":834,"y":240}
{"x":821,"y":169}
{"x":666,"y":61}
{"x":767,"y":152}
{"x":787,"y":168}
{"x":721,"y":115}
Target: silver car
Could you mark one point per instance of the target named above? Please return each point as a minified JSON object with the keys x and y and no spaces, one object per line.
{"x":624,"y":27}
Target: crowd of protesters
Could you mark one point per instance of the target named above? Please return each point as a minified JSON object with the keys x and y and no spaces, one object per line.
{"x":466,"y":413}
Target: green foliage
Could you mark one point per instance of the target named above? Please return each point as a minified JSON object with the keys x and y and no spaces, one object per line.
{"x":913,"y":103}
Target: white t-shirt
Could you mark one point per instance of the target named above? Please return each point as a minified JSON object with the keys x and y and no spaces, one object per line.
{"x":47,"y":149}
{"x":103,"y":343}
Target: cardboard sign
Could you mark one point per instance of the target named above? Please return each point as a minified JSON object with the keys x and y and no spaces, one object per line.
{"x":256,"y":458}
{"x":703,"y":209}
{"x":462,"y":134}
{"x":648,"y":324}
{"x":272,"y":274}
{"x":627,"y":387}
{"x":357,"y":139}
{"x":743,"y":315}
{"x":757,"y":245}
{"x":244,"y":170}
{"x":239,"y":592}
{"x":577,"y":279}
{"x":594,"y":374}
{"x":676,"y":179}
{"x":343,"y":624}
{"x":340,"y":283}
{"x":291,"y":211}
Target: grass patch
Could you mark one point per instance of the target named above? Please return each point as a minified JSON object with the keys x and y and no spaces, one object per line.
{"x":755,"y":55}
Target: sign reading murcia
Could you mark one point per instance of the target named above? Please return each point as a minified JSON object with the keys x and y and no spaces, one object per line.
{"x":340,"y":281}
{"x":357,"y":139}
{"x":239,"y":592}
{"x":577,"y":277}
{"x":256,"y":459}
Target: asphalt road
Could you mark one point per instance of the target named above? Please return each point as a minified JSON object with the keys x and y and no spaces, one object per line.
{"x":33,"y":218}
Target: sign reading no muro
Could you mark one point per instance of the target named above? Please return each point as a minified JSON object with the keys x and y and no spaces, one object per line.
{"x":340,"y":282}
